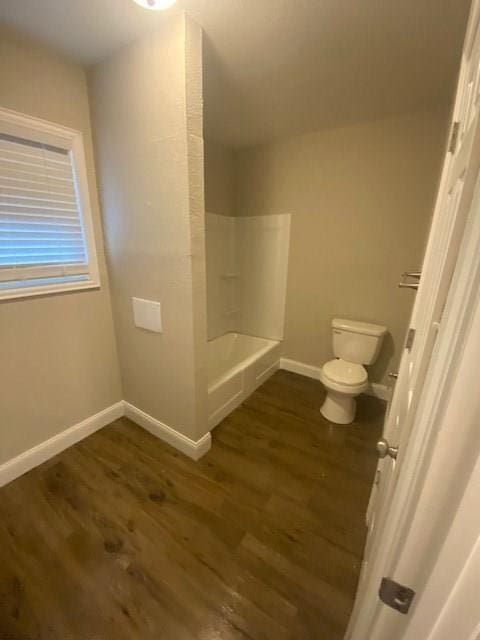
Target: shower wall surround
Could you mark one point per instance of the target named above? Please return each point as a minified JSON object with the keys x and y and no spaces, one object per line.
{"x":247,"y":265}
{"x":222,"y":275}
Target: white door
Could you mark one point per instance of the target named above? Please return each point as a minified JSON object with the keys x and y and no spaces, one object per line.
{"x":453,"y":204}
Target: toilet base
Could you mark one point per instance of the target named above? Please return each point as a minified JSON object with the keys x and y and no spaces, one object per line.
{"x":338,"y":408}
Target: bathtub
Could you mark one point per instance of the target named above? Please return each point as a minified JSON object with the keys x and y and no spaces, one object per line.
{"x":237,"y":365}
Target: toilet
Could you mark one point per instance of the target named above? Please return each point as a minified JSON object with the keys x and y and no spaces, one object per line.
{"x":355,"y":344}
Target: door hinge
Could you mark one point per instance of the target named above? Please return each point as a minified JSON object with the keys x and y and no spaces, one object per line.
{"x":410,"y":339}
{"x":396,"y":595}
{"x":452,"y":147}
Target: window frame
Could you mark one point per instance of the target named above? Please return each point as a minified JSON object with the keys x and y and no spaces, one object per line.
{"x":44,"y":132}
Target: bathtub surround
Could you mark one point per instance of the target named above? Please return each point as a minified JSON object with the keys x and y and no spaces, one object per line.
{"x":150,"y":163}
{"x":247,"y":265}
{"x":263,"y":266}
{"x":222,"y":274}
{"x":59,"y":361}
{"x":361,"y":199}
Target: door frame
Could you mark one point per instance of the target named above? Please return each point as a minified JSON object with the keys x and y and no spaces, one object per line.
{"x":426,"y":453}
{"x":414,"y":538}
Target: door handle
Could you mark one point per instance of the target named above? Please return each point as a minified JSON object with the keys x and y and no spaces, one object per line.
{"x":384,"y":449}
{"x":393,"y":374}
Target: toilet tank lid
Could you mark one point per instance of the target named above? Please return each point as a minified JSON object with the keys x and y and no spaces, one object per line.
{"x":366,"y":328}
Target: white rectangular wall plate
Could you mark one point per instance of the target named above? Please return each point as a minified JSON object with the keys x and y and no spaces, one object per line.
{"x":147,"y":314}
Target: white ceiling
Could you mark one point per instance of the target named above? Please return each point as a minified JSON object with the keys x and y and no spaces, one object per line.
{"x":277,"y":67}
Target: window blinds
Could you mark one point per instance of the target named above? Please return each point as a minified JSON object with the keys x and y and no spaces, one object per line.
{"x":41,"y":231}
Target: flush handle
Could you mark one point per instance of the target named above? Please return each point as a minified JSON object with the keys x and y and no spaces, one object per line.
{"x":384,"y":449}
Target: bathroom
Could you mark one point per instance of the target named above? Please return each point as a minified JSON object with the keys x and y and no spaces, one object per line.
{"x":358,"y":252}
{"x":357,"y":201}
{"x":190,"y":416}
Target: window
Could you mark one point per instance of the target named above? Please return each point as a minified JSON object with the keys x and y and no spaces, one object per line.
{"x":46,"y":236}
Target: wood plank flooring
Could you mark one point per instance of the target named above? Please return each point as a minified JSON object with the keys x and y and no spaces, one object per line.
{"x":121,"y":537}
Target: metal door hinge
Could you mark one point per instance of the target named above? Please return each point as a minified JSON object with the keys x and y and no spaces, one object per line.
{"x":396,"y":595}
{"x":452,"y":147}
{"x":405,"y":282}
{"x":410,"y":339}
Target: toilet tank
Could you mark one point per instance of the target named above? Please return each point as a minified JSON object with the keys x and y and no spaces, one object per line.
{"x":357,"y":342}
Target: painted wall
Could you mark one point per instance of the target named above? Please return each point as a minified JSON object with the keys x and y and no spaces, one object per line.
{"x":150,"y":163}
{"x":262,"y":254}
{"x":361,"y":200}
{"x":58,"y":354}
{"x":219,"y":178}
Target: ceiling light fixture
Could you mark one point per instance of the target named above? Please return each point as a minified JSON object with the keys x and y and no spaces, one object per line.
{"x":156,"y":5}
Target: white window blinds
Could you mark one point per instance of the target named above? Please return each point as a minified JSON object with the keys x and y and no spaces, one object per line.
{"x":41,"y":230}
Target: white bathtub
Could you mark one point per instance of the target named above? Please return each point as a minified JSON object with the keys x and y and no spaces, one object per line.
{"x":237,"y":365}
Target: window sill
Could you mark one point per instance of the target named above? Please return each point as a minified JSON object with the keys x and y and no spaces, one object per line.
{"x":62,"y":285}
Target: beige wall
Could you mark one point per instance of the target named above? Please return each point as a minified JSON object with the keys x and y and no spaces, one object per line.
{"x":193,"y":107}
{"x":219,"y":178}
{"x":58,"y":354}
{"x":361,"y":200}
{"x":150,"y":164}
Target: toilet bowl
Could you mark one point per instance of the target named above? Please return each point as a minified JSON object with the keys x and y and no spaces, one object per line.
{"x":354,"y":344}
{"x":343,"y":381}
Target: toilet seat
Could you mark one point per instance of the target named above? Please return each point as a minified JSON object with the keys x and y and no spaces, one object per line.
{"x":344,"y":373}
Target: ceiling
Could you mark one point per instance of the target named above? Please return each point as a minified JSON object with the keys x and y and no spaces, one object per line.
{"x":278,"y":67}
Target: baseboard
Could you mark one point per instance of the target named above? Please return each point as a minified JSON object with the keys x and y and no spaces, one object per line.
{"x":310,"y":371}
{"x":42,"y":452}
{"x":191,"y":448}
{"x":378,"y":390}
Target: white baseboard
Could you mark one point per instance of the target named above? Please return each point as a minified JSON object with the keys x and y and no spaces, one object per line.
{"x":378,"y":390}
{"x":45,"y":450}
{"x":42,"y":452}
{"x":374,"y":388}
{"x":308,"y":370}
{"x":191,"y":448}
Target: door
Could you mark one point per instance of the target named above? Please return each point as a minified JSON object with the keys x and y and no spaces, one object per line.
{"x":454,"y":199}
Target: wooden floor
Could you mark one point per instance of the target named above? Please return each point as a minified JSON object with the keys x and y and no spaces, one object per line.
{"x":121,"y":537}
